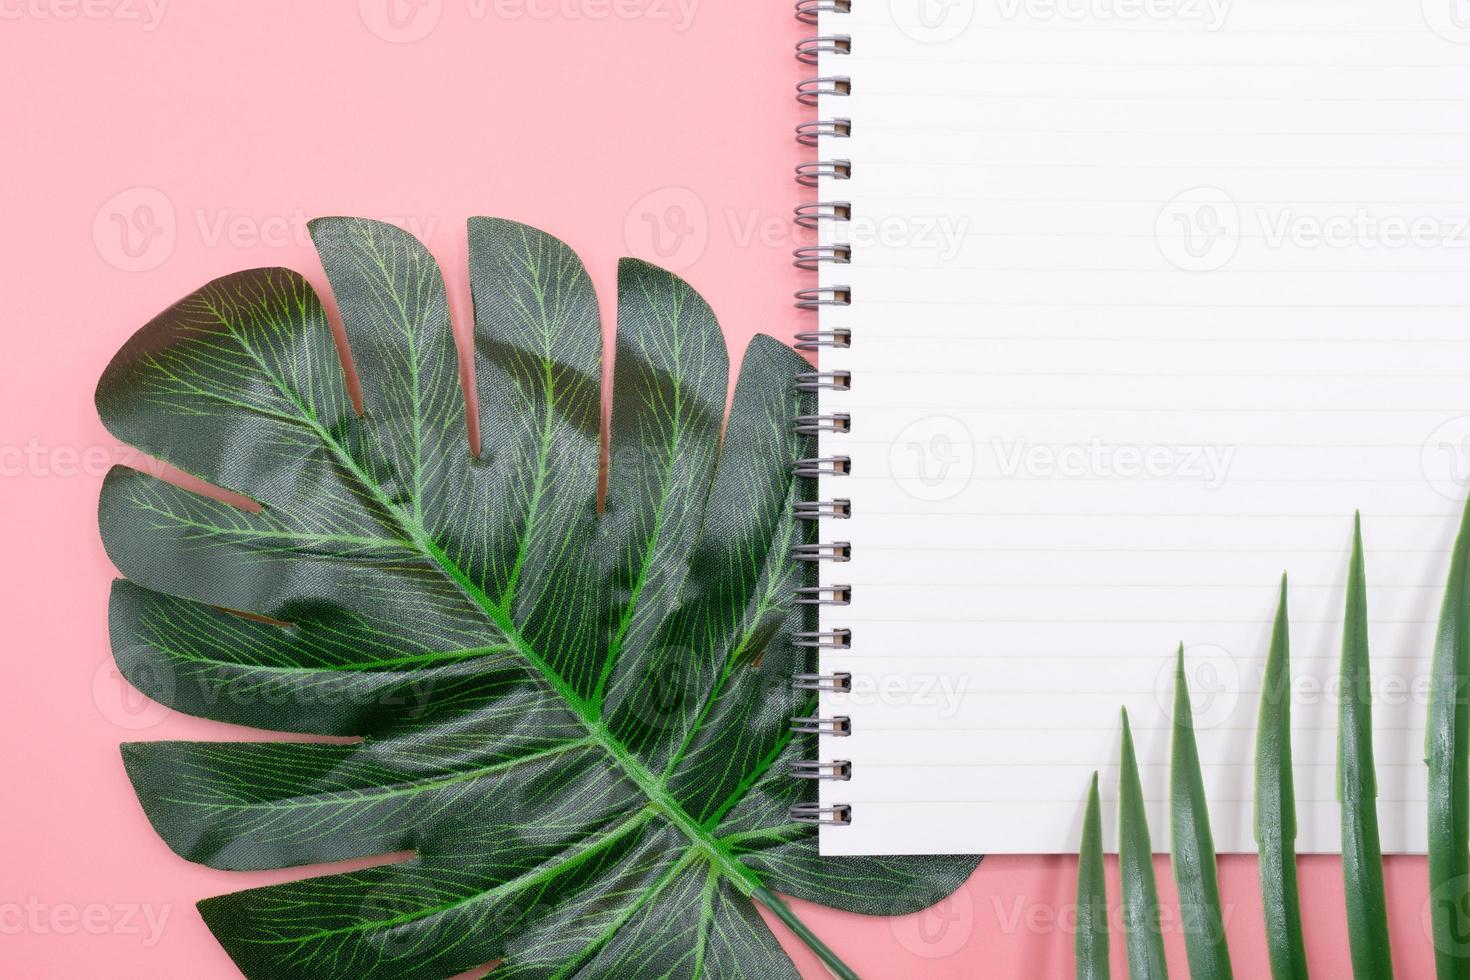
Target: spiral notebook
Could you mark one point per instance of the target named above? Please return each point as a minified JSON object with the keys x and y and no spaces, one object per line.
{"x":1123,"y":309}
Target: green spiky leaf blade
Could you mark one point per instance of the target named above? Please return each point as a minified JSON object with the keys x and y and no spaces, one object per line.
{"x":1143,"y":935}
{"x":1194,"y":846}
{"x":1091,"y":943}
{"x":1275,"y":809}
{"x":1357,"y":787}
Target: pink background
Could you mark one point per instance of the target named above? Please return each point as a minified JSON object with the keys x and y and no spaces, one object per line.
{"x":148,"y":149}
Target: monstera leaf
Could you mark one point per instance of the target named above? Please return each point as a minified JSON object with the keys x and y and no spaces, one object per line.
{"x":573,"y":717}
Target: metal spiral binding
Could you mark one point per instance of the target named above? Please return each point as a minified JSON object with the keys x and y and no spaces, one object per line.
{"x":810,"y":425}
{"x":828,"y":380}
{"x":809,"y":769}
{"x":814,"y":339}
{"x":813,"y":213}
{"x":824,"y":595}
{"x":839,"y":815}
{"x":809,"y":258}
{"x":816,"y":510}
{"x":809,"y":50}
{"x":809,"y":174}
{"x":840,"y":682}
{"x":807,"y":11}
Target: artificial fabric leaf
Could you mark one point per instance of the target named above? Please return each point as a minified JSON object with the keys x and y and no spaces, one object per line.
{"x":1275,"y":809}
{"x":1357,"y":786}
{"x":1091,"y":943}
{"x":1143,"y":936}
{"x":1194,"y":846}
{"x":574,"y":718}
{"x":1447,"y":751}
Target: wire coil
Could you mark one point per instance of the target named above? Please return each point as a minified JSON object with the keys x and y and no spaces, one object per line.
{"x":809,"y":174}
{"x":816,"y":339}
{"x":809,"y":50}
{"x":807,"y":11}
{"x":814,"y":92}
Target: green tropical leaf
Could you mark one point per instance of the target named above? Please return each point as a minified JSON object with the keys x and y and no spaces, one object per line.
{"x":1357,"y":789}
{"x":1092,"y":895}
{"x":1143,"y":933}
{"x":574,"y":718}
{"x":1447,"y":751}
{"x":1194,"y":846}
{"x":1275,"y":809}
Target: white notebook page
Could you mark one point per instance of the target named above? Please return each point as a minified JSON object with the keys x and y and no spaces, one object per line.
{"x":1148,"y":297}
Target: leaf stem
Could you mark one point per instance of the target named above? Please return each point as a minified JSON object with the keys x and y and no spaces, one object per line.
{"x":783,"y":912}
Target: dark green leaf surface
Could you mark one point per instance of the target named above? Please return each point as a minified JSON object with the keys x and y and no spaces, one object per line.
{"x":1447,"y":751}
{"x":1357,"y":789}
{"x":1145,"y":937}
{"x":1275,"y":809}
{"x":576,"y":722}
{"x":1092,"y":895}
{"x":1194,"y":846}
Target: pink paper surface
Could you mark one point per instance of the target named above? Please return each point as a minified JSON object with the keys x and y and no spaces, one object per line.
{"x":150,"y":145}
